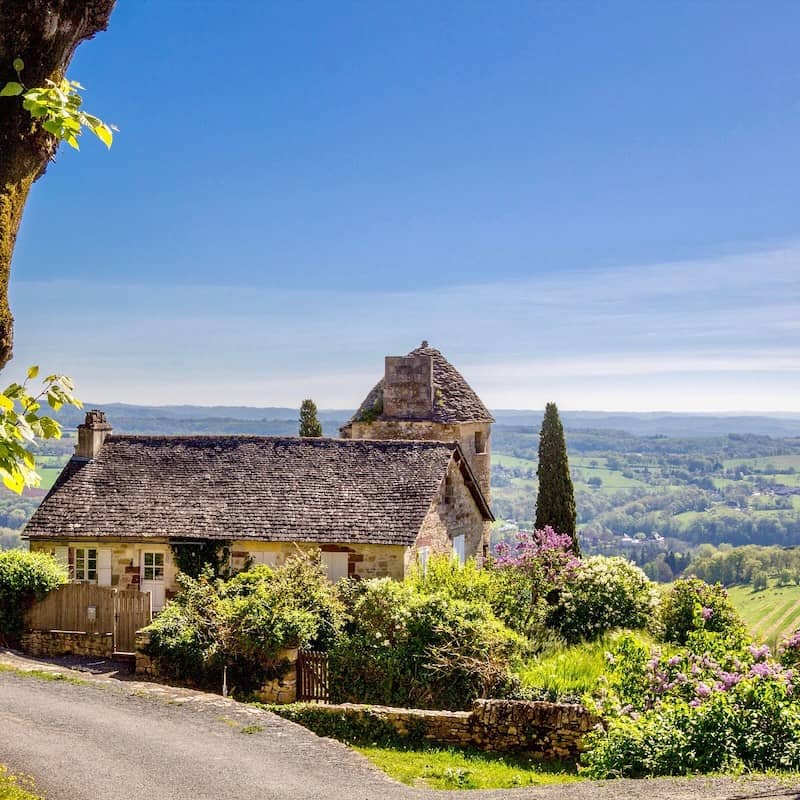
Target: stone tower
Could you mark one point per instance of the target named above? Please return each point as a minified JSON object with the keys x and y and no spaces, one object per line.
{"x":423,"y":396}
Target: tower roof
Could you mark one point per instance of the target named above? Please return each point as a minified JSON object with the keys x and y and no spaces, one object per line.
{"x":454,"y":399}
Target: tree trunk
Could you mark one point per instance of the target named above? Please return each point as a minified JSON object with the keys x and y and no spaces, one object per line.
{"x":44,"y":34}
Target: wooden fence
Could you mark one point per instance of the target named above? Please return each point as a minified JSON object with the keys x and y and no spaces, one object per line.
{"x":312,"y":676}
{"x":87,"y":608}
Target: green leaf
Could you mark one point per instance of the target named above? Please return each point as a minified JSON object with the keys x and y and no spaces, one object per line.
{"x":33,"y":372}
{"x":5,"y":403}
{"x":18,"y":64}
{"x":12,"y":89}
{"x":71,"y":141}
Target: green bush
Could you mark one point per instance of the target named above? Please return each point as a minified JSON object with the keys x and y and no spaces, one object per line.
{"x":600,"y":595}
{"x":446,"y":576}
{"x":402,"y":647}
{"x":24,"y":578}
{"x":691,"y":605}
{"x":244,"y":622}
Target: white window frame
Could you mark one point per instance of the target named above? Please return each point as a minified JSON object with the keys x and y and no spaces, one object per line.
{"x":83,"y":573}
{"x":157,"y":570}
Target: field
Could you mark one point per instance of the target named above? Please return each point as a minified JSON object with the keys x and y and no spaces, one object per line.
{"x":771,"y":613}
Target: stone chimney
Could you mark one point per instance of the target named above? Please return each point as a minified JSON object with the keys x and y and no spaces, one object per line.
{"x":92,"y":434}
{"x":408,"y":387}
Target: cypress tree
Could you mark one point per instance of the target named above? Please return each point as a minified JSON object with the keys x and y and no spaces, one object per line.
{"x":309,"y":424}
{"x":555,"y":504}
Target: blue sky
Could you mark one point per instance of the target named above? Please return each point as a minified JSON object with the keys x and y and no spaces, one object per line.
{"x":591,"y":203}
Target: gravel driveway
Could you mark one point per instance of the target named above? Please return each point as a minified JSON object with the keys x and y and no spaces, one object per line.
{"x":126,"y":740}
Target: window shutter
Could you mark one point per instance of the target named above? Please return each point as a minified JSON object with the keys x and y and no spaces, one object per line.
{"x":335,"y":565}
{"x":104,"y":567}
{"x":458,"y":548}
{"x":62,"y":556}
{"x":263,"y":557}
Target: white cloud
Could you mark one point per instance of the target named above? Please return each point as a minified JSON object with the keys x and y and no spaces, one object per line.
{"x":714,"y":334}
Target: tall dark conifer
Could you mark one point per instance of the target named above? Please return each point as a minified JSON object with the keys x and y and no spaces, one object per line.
{"x":309,"y":424}
{"x":555,"y":504}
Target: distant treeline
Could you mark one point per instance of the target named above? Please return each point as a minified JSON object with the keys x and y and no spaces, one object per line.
{"x":523,"y":442}
{"x":745,"y":565}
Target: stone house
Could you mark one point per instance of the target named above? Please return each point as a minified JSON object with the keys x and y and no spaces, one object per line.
{"x":408,"y":478}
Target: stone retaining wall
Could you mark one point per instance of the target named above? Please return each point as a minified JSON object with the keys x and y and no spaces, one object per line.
{"x":62,"y":643}
{"x":550,"y":731}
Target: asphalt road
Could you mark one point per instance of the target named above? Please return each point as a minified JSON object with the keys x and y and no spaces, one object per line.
{"x":114,"y":742}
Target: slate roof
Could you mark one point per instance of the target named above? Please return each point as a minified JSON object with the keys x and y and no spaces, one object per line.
{"x":455,"y":400}
{"x":250,"y":487}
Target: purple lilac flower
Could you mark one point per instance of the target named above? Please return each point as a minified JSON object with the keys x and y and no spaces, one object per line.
{"x":760,"y":670}
{"x":675,"y":660}
{"x":702,"y":690}
{"x":729,"y":679}
{"x":759,"y":653}
{"x":707,"y":613}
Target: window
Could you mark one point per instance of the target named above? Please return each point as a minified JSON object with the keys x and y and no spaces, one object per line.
{"x":423,"y":554}
{"x":153,"y":567}
{"x":262,"y":557}
{"x":448,"y":491}
{"x":480,"y":442}
{"x":459,"y":551}
{"x":85,"y":564}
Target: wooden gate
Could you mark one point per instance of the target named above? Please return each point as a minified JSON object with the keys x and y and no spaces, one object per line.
{"x":131,"y":612}
{"x":312,"y":676}
{"x":87,"y":608}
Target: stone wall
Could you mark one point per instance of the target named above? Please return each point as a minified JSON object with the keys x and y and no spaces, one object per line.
{"x":145,"y":666}
{"x":549,"y":731}
{"x":364,"y":560}
{"x":452,"y":513}
{"x":282,"y":689}
{"x":552,"y":730}
{"x":64,"y":643}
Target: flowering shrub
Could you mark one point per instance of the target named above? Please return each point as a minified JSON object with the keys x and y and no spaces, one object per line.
{"x":601,"y":594}
{"x":692,"y":605}
{"x":789,"y":650}
{"x":530,"y":572}
{"x":687,"y":710}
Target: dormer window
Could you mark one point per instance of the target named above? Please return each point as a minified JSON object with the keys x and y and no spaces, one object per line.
{"x":480,"y":442}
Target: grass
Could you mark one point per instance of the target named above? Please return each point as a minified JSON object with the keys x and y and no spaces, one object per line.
{"x":771,"y":613}
{"x":571,"y":671}
{"x":14,"y":787}
{"x":43,"y":675}
{"x":451,"y":768}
